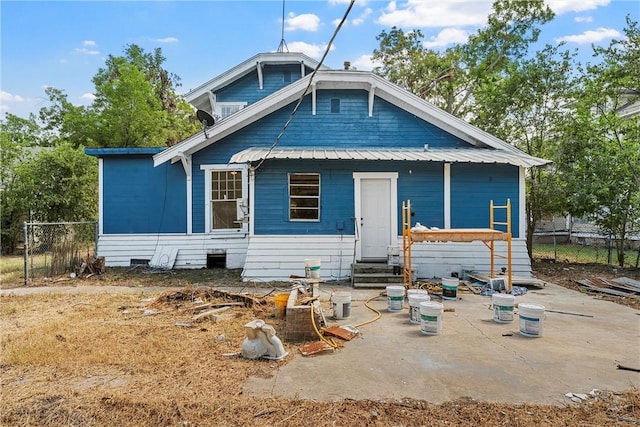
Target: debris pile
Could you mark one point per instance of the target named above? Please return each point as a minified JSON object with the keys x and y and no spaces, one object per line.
{"x":620,"y":286}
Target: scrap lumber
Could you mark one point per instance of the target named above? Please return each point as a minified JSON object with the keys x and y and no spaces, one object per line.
{"x":248,"y":300}
{"x":626,"y":284}
{"x":340,"y":332}
{"x":602,"y":286}
{"x":210,"y":314}
{"x":315,"y":348}
{"x":628,"y":368}
{"x":516,"y":280}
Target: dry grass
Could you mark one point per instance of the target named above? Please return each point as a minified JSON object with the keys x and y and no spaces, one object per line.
{"x":95,"y":360}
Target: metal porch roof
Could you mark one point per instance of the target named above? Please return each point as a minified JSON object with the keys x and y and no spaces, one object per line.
{"x":445,"y":155}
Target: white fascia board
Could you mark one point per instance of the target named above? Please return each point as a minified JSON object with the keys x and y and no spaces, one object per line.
{"x":339,"y":80}
{"x":247,"y":67}
{"x":413,"y":104}
{"x":235,"y":122}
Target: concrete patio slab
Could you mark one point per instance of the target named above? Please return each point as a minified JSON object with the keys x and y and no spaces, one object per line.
{"x":473,"y":356}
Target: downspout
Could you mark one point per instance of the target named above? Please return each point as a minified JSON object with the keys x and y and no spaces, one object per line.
{"x":185,"y":159}
{"x":252,"y":199}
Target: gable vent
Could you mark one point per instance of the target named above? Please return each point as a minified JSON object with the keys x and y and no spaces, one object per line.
{"x":335,"y":105}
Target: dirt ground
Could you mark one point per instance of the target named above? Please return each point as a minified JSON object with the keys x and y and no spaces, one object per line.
{"x":140,"y":359}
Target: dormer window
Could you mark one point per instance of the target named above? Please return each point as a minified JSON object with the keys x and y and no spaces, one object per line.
{"x":225,"y":109}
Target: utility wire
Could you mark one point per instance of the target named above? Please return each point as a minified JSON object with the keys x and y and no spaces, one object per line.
{"x":315,"y":71}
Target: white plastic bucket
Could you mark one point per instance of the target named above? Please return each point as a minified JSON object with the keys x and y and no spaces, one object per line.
{"x":395,"y":297}
{"x":431,"y":317}
{"x":312,"y":268}
{"x":414,"y":291}
{"x":466,"y":270}
{"x":531,"y":319}
{"x":450,"y":288}
{"x":341,"y":302}
{"x":503,"y":307}
{"x":414,"y":305}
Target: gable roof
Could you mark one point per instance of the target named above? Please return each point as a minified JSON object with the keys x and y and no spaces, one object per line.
{"x":339,"y":79}
{"x":200,"y":95}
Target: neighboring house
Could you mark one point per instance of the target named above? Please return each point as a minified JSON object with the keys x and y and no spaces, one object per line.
{"x":263,"y":191}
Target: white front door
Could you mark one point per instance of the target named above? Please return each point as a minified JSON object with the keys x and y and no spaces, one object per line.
{"x":376,"y":213}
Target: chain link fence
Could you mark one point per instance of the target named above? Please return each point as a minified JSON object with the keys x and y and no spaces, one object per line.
{"x":52,"y":249}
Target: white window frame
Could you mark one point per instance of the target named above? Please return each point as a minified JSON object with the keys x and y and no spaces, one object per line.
{"x":289,"y":196}
{"x":243,"y":203}
{"x":219,"y":105}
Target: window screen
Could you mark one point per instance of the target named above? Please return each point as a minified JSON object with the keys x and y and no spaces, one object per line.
{"x":304,"y":197}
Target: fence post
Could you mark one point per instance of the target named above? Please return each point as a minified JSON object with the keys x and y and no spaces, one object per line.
{"x":26,"y":253}
{"x":96,"y":230}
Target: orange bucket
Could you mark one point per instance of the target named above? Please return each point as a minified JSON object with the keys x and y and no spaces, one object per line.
{"x":281,"y":305}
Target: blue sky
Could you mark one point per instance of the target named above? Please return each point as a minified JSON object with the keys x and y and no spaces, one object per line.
{"x":64,"y":43}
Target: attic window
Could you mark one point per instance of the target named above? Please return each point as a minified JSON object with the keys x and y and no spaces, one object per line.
{"x":225,"y":109}
{"x":335,"y":105}
{"x":286,"y":75}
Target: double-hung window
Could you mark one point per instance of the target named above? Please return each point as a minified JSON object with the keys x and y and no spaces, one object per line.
{"x":304,"y":197}
{"x":226,"y":206}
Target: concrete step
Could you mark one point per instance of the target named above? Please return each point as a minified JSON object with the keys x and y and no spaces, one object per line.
{"x":370,"y":267}
{"x":377,"y":278}
{"x":365,"y":285}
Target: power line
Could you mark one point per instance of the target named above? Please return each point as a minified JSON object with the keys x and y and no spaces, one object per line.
{"x":315,"y":71}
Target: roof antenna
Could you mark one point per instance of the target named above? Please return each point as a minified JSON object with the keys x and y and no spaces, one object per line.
{"x":283,"y":44}
{"x":206,"y":119}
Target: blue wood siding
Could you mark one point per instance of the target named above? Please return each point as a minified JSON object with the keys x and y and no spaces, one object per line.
{"x":390,"y":126}
{"x":422,"y":184}
{"x":473,"y":186}
{"x":337,"y":205}
{"x":139,"y":198}
{"x":247,"y":88}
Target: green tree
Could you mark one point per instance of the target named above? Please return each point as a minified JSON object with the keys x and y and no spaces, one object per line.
{"x":527,"y":106}
{"x":434,"y":76}
{"x":178,"y":120}
{"x":63,"y":121}
{"x":450,"y":78}
{"x":126,"y":112}
{"x":59,"y":184}
{"x":18,"y":139}
{"x":600,"y":155}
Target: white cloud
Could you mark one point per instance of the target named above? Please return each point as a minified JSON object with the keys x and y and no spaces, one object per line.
{"x":363,"y":17}
{"x":86,"y":51}
{"x":590,"y":36}
{"x":88,"y":97}
{"x":88,"y":48}
{"x":446,"y":37}
{"x":583,"y":19}
{"x":313,"y":50}
{"x":423,"y":14}
{"x":4,"y":108}
{"x":7,"y":97}
{"x":562,"y":6}
{"x":167,"y":40}
{"x":365,"y":63}
{"x":306,"y":22}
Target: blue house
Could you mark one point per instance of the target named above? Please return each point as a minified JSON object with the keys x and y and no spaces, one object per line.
{"x":308,"y":165}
